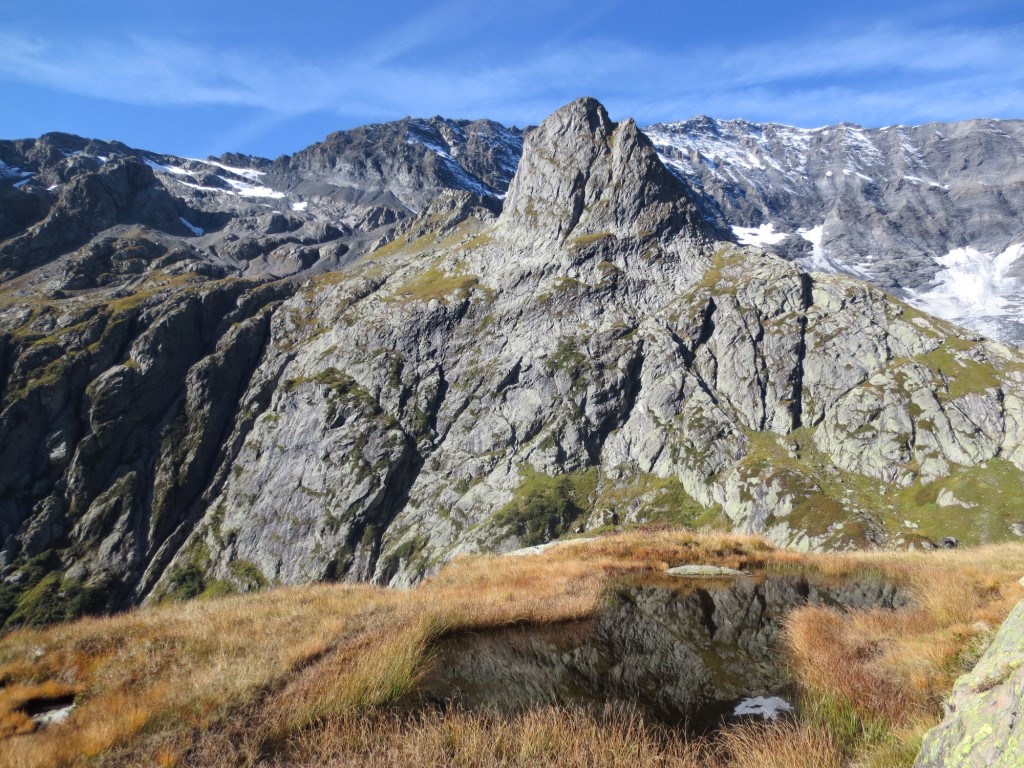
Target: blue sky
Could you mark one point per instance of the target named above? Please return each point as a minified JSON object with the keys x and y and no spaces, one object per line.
{"x":197,"y":78}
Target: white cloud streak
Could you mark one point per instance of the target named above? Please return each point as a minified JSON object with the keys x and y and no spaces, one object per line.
{"x":885,"y":74}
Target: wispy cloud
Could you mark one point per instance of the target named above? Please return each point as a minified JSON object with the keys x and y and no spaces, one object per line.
{"x":885,"y":74}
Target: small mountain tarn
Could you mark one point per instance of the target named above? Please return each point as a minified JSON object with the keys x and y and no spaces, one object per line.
{"x":682,"y":651}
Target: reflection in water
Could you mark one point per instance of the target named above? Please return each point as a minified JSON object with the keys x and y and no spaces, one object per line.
{"x":680,"y":650}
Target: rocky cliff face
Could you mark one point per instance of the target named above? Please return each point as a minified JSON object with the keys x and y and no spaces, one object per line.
{"x":404,"y":164}
{"x":931,"y":213}
{"x":312,"y":211}
{"x":485,"y":379}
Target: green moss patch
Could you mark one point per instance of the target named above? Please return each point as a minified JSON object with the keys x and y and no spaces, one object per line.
{"x":44,"y":596}
{"x":993,"y":490}
{"x":434,"y":283}
{"x":656,"y":500}
{"x":584,"y":240}
{"x":544,"y":506}
{"x":826,"y":497}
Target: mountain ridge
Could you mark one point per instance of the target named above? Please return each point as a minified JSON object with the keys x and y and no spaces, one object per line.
{"x":918,"y":215}
{"x":931,"y":213}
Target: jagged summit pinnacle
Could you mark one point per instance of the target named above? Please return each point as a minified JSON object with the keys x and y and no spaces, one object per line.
{"x":583,"y":175}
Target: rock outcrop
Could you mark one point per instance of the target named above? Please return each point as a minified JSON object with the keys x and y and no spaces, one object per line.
{"x":120,"y":191}
{"x":402,"y":166}
{"x":982,"y":727}
{"x":584,"y":178}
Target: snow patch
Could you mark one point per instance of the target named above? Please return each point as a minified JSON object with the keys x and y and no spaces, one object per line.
{"x":195,"y":230}
{"x":848,"y":172}
{"x":759,"y":236}
{"x":245,"y":189}
{"x":201,"y":188}
{"x":916,"y":181}
{"x":53,"y":716}
{"x":161,"y":168}
{"x":765,"y":707}
{"x":300,"y":206}
{"x":8,"y":171}
{"x":817,"y":261}
{"x":972,"y":284}
{"x":820,"y":261}
{"x":22,"y":183}
{"x":239,"y":188}
{"x":245,"y":173}
{"x":437,"y":149}
{"x":813,"y":235}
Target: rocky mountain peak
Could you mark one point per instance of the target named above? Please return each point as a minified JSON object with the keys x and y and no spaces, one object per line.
{"x":584,"y":176}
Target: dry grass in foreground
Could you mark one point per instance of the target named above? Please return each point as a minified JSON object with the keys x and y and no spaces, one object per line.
{"x":310,"y":675}
{"x":569,"y":738}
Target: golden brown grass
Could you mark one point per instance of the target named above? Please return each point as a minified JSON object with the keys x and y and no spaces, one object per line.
{"x":877,"y":678}
{"x":544,"y":736}
{"x":284,"y":676}
{"x":777,"y":745}
{"x":540,"y":736}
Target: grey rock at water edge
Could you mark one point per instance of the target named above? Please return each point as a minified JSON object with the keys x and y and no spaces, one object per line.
{"x":983,"y":727}
{"x":705,"y":571}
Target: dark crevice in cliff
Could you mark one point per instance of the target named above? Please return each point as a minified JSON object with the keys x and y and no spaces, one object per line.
{"x":807,"y":301}
{"x":188,"y":506}
{"x":627,"y":399}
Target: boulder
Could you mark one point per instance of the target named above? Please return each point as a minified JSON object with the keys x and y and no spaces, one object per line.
{"x":982,"y":727}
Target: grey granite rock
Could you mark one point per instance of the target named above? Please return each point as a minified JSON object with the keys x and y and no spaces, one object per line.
{"x":705,"y":571}
{"x":982,"y":726}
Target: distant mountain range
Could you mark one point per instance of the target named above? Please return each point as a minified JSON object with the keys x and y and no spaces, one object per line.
{"x":932,"y":213}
